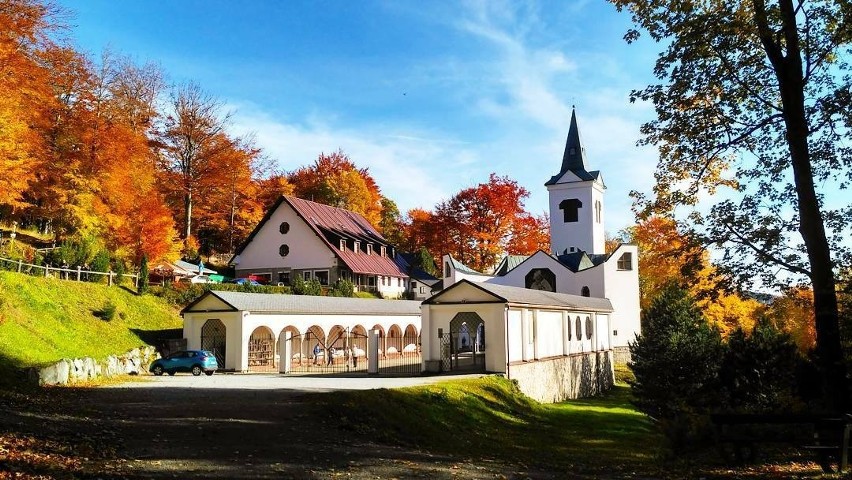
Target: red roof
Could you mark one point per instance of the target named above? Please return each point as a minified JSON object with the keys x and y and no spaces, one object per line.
{"x":324,"y":219}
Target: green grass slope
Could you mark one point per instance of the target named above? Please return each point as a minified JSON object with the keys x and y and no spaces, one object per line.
{"x":45,"y":319}
{"x":490,"y":418}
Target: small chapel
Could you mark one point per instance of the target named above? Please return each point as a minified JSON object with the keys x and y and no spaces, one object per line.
{"x":554,"y":321}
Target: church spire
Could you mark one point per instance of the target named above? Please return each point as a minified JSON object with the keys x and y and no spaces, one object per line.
{"x":574,"y":157}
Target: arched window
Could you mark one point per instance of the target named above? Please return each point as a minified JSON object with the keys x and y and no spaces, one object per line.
{"x":579,"y":329}
{"x":585,"y":292}
{"x":283,"y":250}
{"x":588,"y":327}
{"x":284,"y":227}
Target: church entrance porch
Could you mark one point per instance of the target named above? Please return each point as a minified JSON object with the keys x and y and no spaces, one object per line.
{"x":463,"y":347}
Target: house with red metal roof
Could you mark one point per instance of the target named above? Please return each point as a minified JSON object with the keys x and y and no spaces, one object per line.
{"x":312,"y":240}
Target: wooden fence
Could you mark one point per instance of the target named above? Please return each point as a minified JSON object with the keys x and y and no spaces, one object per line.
{"x":77,"y":274}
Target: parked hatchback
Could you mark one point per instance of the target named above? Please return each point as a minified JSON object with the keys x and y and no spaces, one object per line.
{"x":193,"y":361}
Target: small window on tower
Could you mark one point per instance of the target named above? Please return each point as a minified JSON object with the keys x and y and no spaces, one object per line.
{"x":571,"y":208}
{"x":598,"y":208}
{"x":585,"y":292}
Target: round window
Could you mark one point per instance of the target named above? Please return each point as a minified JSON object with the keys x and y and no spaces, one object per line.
{"x":283,"y":250}
{"x":284,"y":227}
{"x":589,"y":328}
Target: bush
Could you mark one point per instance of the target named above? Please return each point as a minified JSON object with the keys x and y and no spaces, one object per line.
{"x":107,"y":313}
{"x":758,"y":372}
{"x":342,"y":288}
{"x":676,"y":361}
{"x":301,"y":287}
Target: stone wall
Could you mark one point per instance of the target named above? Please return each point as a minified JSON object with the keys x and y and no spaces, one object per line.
{"x":621,"y":355}
{"x":75,"y":370}
{"x":563,"y":378}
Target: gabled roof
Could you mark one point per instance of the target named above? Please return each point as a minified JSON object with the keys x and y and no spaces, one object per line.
{"x":526,"y":296}
{"x":191,"y":267}
{"x":509,"y":263}
{"x":574,"y":158}
{"x":308,"y":304}
{"x":325,"y":220}
{"x":460,"y":267}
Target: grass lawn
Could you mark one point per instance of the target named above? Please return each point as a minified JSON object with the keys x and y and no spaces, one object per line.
{"x":489,"y":418}
{"x":44,"y":319}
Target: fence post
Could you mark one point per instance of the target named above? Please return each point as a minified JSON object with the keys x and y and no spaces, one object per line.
{"x":46,"y":271}
{"x":20,"y":264}
{"x":109,"y":279}
{"x":78,"y":273}
{"x":373,"y":352}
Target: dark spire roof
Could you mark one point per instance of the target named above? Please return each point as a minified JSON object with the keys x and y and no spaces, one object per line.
{"x":574,"y":158}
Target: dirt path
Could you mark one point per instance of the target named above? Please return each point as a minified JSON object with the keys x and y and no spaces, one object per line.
{"x":213,"y":433}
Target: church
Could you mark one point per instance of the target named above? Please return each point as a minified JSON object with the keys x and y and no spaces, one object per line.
{"x":554,"y":321}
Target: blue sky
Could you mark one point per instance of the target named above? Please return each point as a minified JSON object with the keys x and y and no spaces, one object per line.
{"x":430,"y":96}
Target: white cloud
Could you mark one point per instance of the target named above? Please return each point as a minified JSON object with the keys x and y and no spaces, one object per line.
{"x":411,"y":167}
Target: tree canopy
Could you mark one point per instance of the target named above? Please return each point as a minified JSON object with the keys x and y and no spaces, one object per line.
{"x":752,"y":109}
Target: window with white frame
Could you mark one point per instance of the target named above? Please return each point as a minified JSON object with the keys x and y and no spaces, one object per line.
{"x":369,"y":249}
{"x":342,"y":244}
{"x":357,"y":246}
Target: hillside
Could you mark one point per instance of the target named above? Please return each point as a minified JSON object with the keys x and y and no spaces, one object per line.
{"x":45,"y":319}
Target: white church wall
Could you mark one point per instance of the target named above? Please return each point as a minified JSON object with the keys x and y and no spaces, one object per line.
{"x":548,"y":334}
{"x":516,"y":353}
{"x":622,"y":289}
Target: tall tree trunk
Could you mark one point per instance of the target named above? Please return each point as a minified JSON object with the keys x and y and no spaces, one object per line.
{"x":187,"y":210}
{"x":789,"y":71}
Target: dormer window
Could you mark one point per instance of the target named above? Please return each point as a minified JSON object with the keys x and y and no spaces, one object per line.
{"x":357,"y":247}
{"x":384,"y":251}
{"x":342,"y":244}
{"x":369,"y":249}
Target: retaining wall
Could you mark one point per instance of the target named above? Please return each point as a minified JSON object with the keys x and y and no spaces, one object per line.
{"x":69,"y":371}
{"x":564,"y":378}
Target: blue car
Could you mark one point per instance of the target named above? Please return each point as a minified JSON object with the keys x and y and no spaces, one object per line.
{"x":193,"y":361}
{"x":245,"y":281}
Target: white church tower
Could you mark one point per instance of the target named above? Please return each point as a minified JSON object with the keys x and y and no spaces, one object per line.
{"x":576,"y":201}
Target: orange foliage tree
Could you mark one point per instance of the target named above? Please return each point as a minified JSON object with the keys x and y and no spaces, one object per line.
{"x":334,"y":180}
{"x":666,"y":255}
{"x":479,"y":224}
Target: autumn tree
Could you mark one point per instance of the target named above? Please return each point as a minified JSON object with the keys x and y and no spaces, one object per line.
{"x":478,"y":225}
{"x":334,"y":180}
{"x":192,"y":142}
{"x":24,"y":92}
{"x":755,"y":95}
{"x":390,"y":225}
{"x":668,"y":256}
